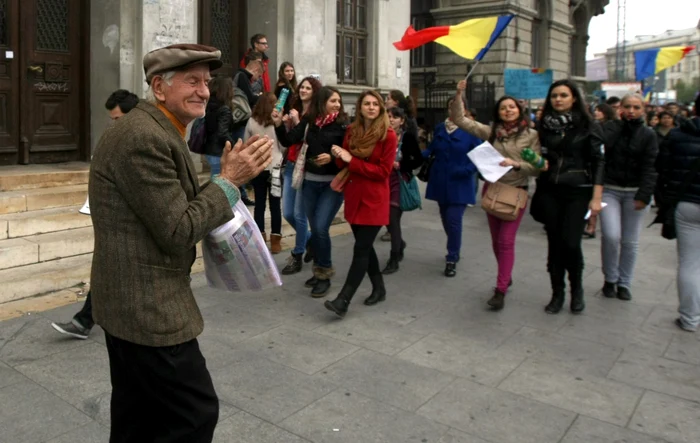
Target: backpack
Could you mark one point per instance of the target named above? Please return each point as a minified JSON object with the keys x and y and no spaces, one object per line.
{"x":198,"y":136}
{"x":240,"y":108}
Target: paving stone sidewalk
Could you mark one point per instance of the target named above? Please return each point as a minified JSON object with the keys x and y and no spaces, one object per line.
{"x":429,"y":365}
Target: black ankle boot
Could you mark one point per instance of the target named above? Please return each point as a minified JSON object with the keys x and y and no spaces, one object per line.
{"x":609,"y":290}
{"x":392,"y":265}
{"x":498,"y":301}
{"x":340,"y":305}
{"x":310,"y":283}
{"x":450,"y":269}
{"x":293,"y":264}
{"x":403,"y":248}
{"x":556,"y":303}
{"x":321,"y":288}
{"x":577,"y":303}
{"x":378,"y":290}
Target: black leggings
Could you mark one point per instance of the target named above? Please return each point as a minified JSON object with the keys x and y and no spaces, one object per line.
{"x":364,"y":257}
{"x":262,"y":188}
{"x":565,"y":208}
{"x":394,"y":228}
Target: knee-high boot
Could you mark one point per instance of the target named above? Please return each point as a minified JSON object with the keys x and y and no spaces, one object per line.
{"x":576,"y":283}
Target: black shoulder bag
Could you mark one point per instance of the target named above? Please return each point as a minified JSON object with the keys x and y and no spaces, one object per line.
{"x":424,"y":173}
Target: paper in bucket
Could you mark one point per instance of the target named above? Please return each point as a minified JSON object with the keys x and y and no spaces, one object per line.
{"x":236,"y":258}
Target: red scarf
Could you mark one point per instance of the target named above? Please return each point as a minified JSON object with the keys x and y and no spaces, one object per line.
{"x":325,"y":120}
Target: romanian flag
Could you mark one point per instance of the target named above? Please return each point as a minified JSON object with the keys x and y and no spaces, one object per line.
{"x":650,"y":62}
{"x":470,"y":39}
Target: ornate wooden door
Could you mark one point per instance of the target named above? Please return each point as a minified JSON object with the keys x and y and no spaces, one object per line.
{"x":222,"y":24}
{"x":46,"y":42}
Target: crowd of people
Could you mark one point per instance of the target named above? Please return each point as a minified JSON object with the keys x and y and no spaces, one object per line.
{"x":309,"y":157}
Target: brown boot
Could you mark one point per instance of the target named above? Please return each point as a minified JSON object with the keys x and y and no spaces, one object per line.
{"x":275,"y":243}
{"x":264,"y":235}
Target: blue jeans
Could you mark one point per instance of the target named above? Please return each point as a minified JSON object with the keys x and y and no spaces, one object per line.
{"x":688,"y":244}
{"x":451,"y":216}
{"x":214,"y":164}
{"x":621,"y":225}
{"x":293,"y":210}
{"x":321,"y":204}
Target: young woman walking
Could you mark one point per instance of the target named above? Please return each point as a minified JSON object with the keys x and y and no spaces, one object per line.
{"x":510,"y":134}
{"x":367,"y":156}
{"x":323,"y":127}
{"x":408,"y":158}
{"x":260,"y":123}
{"x":630,"y":179}
{"x":292,"y":201}
{"x":286,"y":78}
{"x":572,"y":185}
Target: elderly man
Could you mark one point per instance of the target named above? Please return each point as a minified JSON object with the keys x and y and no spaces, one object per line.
{"x":148,"y":213}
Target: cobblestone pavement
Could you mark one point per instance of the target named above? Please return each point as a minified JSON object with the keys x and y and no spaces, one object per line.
{"x":431,"y":364}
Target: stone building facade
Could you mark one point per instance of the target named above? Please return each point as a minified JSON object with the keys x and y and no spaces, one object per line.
{"x":550,"y":34}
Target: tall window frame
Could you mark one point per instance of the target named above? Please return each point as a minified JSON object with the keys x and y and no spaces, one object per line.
{"x":351,"y":42}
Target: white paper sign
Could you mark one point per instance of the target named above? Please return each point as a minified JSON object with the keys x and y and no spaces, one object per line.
{"x":488,"y":161}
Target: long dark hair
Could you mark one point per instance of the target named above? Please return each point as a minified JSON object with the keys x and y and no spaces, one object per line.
{"x":523,"y":120}
{"x":607,"y":111}
{"x":315,"y":86}
{"x":282,"y":80}
{"x":262,"y":112}
{"x":221,"y":88}
{"x":318,"y":107}
{"x":409,"y":108}
{"x":579,"y":109}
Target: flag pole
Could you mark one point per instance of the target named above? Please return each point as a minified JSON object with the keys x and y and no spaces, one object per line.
{"x":472,"y":70}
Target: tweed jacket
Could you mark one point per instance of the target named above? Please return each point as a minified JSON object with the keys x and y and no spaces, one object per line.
{"x":148,"y":213}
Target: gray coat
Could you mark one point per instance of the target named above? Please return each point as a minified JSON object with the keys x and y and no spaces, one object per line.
{"x":148,"y":213}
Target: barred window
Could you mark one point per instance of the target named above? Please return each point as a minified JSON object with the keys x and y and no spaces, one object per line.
{"x":351,"y":41}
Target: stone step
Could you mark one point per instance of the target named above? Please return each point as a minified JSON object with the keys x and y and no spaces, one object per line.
{"x":43,"y":198}
{"x":23,"y":251}
{"x":23,"y":177}
{"x":24,"y":224}
{"x":40,"y":278}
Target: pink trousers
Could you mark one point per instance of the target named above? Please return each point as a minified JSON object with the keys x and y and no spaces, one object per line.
{"x":503,"y":242}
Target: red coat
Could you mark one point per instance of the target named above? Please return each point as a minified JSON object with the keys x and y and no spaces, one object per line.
{"x":367,"y":189}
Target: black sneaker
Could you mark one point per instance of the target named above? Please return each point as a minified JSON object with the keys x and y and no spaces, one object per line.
{"x":72,"y":329}
{"x":450,"y":269}
{"x":609,"y":290}
{"x":624,"y":293}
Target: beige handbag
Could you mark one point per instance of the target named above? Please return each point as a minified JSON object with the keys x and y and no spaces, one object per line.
{"x":504,"y":201}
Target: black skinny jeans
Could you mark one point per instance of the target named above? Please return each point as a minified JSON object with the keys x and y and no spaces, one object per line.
{"x":364,"y":257}
{"x":262,"y":188}
{"x":565,"y":208}
{"x":394,"y":228}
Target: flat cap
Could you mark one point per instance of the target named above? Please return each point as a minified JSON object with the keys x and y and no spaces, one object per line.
{"x":178,"y":57}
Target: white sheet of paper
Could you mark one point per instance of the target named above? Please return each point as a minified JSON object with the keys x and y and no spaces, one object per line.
{"x":588,"y":214}
{"x":86,"y":207}
{"x":487,"y":160}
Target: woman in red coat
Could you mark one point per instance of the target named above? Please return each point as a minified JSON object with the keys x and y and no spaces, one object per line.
{"x":367,"y":156}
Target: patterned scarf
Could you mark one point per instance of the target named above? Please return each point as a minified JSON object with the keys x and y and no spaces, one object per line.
{"x":325,"y":120}
{"x":558,"y":123}
{"x":505,"y":130}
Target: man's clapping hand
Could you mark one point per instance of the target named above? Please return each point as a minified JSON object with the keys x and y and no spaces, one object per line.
{"x":246,"y":161}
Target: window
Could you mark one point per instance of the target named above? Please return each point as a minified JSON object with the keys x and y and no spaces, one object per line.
{"x":420,"y":19}
{"x":351,"y":41}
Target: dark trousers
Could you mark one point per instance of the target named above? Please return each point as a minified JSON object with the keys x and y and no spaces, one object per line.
{"x":84,"y":316}
{"x":364,"y":257}
{"x":395,"y":214}
{"x":262,"y":188}
{"x":452,"y":216}
{"x":565,"y":208}
{"x":160,"y":395}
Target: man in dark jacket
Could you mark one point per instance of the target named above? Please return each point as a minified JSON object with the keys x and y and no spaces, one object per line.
{"x":148,"y":213}
{"x":680,"y":182}
{"x":246,"y":76}
{"x":259,"y":43}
